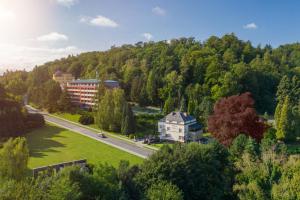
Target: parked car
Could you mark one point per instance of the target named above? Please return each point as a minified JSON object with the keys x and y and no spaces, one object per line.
{"x":150,"y":140}
{"x":101,"y":135}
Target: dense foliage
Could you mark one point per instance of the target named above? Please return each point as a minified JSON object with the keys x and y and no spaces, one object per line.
{"x":287,"y":115}
{"x":34,"y":120}
{"x":14,"y":120}
{"x":114,"y":113}
{"x":178,"y":74}
{"x":199,"y":171}
{"x":86,"y":119}
{"x":14,"y":156}
{"x":11,"y":118}
{"x":47,"y":95}
{"x":235,"y":115}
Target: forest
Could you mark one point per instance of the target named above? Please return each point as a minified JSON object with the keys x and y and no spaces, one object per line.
{"x":182,"y":74}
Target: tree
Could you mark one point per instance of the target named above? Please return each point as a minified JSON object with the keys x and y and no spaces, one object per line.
{"x":235,"y":115}
{"x":284,"y":131}
{"x":169,"y":105}
{"x":126,"y":174}
{"x":199,"y":171}
{"x":64,"y":102}
{"x":151,"y":87}
{"x":119,"y":102}
{"x":114,"y":113}
{"x":16,"y":87}
{"x":164,"y":191}
{"x":61,"y":187}
{"x":2,"y":92}
{"x":288,"y":187}
{"x":34,"y":120}
{"x":104,"y":115}
{"x":14,"y":157}
{"x":52,"y":95}
{"x":257,"y":175}
{"x":102,"y":182}
{"x":11,"y":119}
{"x":287,"y":115}
{"x":128,"y":121}
{"x":86,"y":119}
{"x":284,"y":88}
{"x":238,"y":147}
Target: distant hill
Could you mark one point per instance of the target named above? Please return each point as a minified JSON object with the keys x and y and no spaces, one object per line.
{"x":185,"y":73}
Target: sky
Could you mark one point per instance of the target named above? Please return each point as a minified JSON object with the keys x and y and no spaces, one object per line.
{"x":36,"y":31}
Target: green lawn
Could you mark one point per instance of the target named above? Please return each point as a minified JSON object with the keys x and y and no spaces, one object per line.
{"x":146,"y":124}
{"x":145,"y":110}
{"x":75,"y":118}
{"x":52,"y":144}
{"x":68,"y":116}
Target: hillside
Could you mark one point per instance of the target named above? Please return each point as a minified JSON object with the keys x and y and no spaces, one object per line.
{"x":184,"y":73}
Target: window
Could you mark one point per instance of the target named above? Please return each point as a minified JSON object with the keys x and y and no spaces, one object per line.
{"x":181,"y":138}
{"x":180,"y":130}
{"x":168,"y":128}
{"x":168,"y":135}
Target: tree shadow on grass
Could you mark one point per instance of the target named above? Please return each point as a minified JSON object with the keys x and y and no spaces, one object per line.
{"x":41,"y":140}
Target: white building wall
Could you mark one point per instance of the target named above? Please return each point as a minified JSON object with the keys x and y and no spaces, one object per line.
{"x":177,"y":132}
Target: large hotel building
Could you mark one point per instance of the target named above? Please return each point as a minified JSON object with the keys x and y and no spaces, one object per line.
{"x":82,"y":92}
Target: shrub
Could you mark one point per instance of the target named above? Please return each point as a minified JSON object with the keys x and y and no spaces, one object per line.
{"x":86,"y":119}
{"x":131,"y":136}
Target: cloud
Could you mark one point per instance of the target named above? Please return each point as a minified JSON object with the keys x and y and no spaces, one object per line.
{"x":99,"y":21}
{"x":147,"y":36}
{"x":250,"y":26}
{"x":67,"y":3}
{"x":19,"y":57}
{"x":159,"y":11}
{"x":52,"y":37}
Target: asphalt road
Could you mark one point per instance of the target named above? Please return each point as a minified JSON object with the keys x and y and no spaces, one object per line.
{"x":112,"y":141}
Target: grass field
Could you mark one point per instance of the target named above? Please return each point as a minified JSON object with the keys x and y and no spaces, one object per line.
{"x":68,"y":116}
{"x":52,"y":144}
{"x":145,"y":110}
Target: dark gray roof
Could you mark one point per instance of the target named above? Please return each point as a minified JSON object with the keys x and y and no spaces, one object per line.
{"x":178,"y":117}
{"x":108,"y":83}
{"x":195,"y":127}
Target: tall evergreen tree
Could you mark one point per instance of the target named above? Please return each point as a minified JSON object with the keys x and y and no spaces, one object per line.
{"x":64,"y":102}
{"x":284,"y":127}
{"x":128,"y":121}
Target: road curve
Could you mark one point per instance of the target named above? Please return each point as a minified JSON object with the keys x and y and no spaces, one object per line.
{"x":112,"y":141}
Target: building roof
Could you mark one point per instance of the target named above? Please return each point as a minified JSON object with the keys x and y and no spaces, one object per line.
{"x":58,"y":73}
{"x":178,"y":117}
{"x":108,"y":83}
{"x":195,"y":127}
{"x":85,"y":81}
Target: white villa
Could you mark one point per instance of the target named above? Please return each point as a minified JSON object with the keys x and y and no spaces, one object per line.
{"x":179,"y":126}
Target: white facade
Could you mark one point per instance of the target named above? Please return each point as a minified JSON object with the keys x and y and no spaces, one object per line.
{"x":181,"y":127}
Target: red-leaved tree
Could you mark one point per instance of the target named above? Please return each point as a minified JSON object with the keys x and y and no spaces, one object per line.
{"x":235,"y":115}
